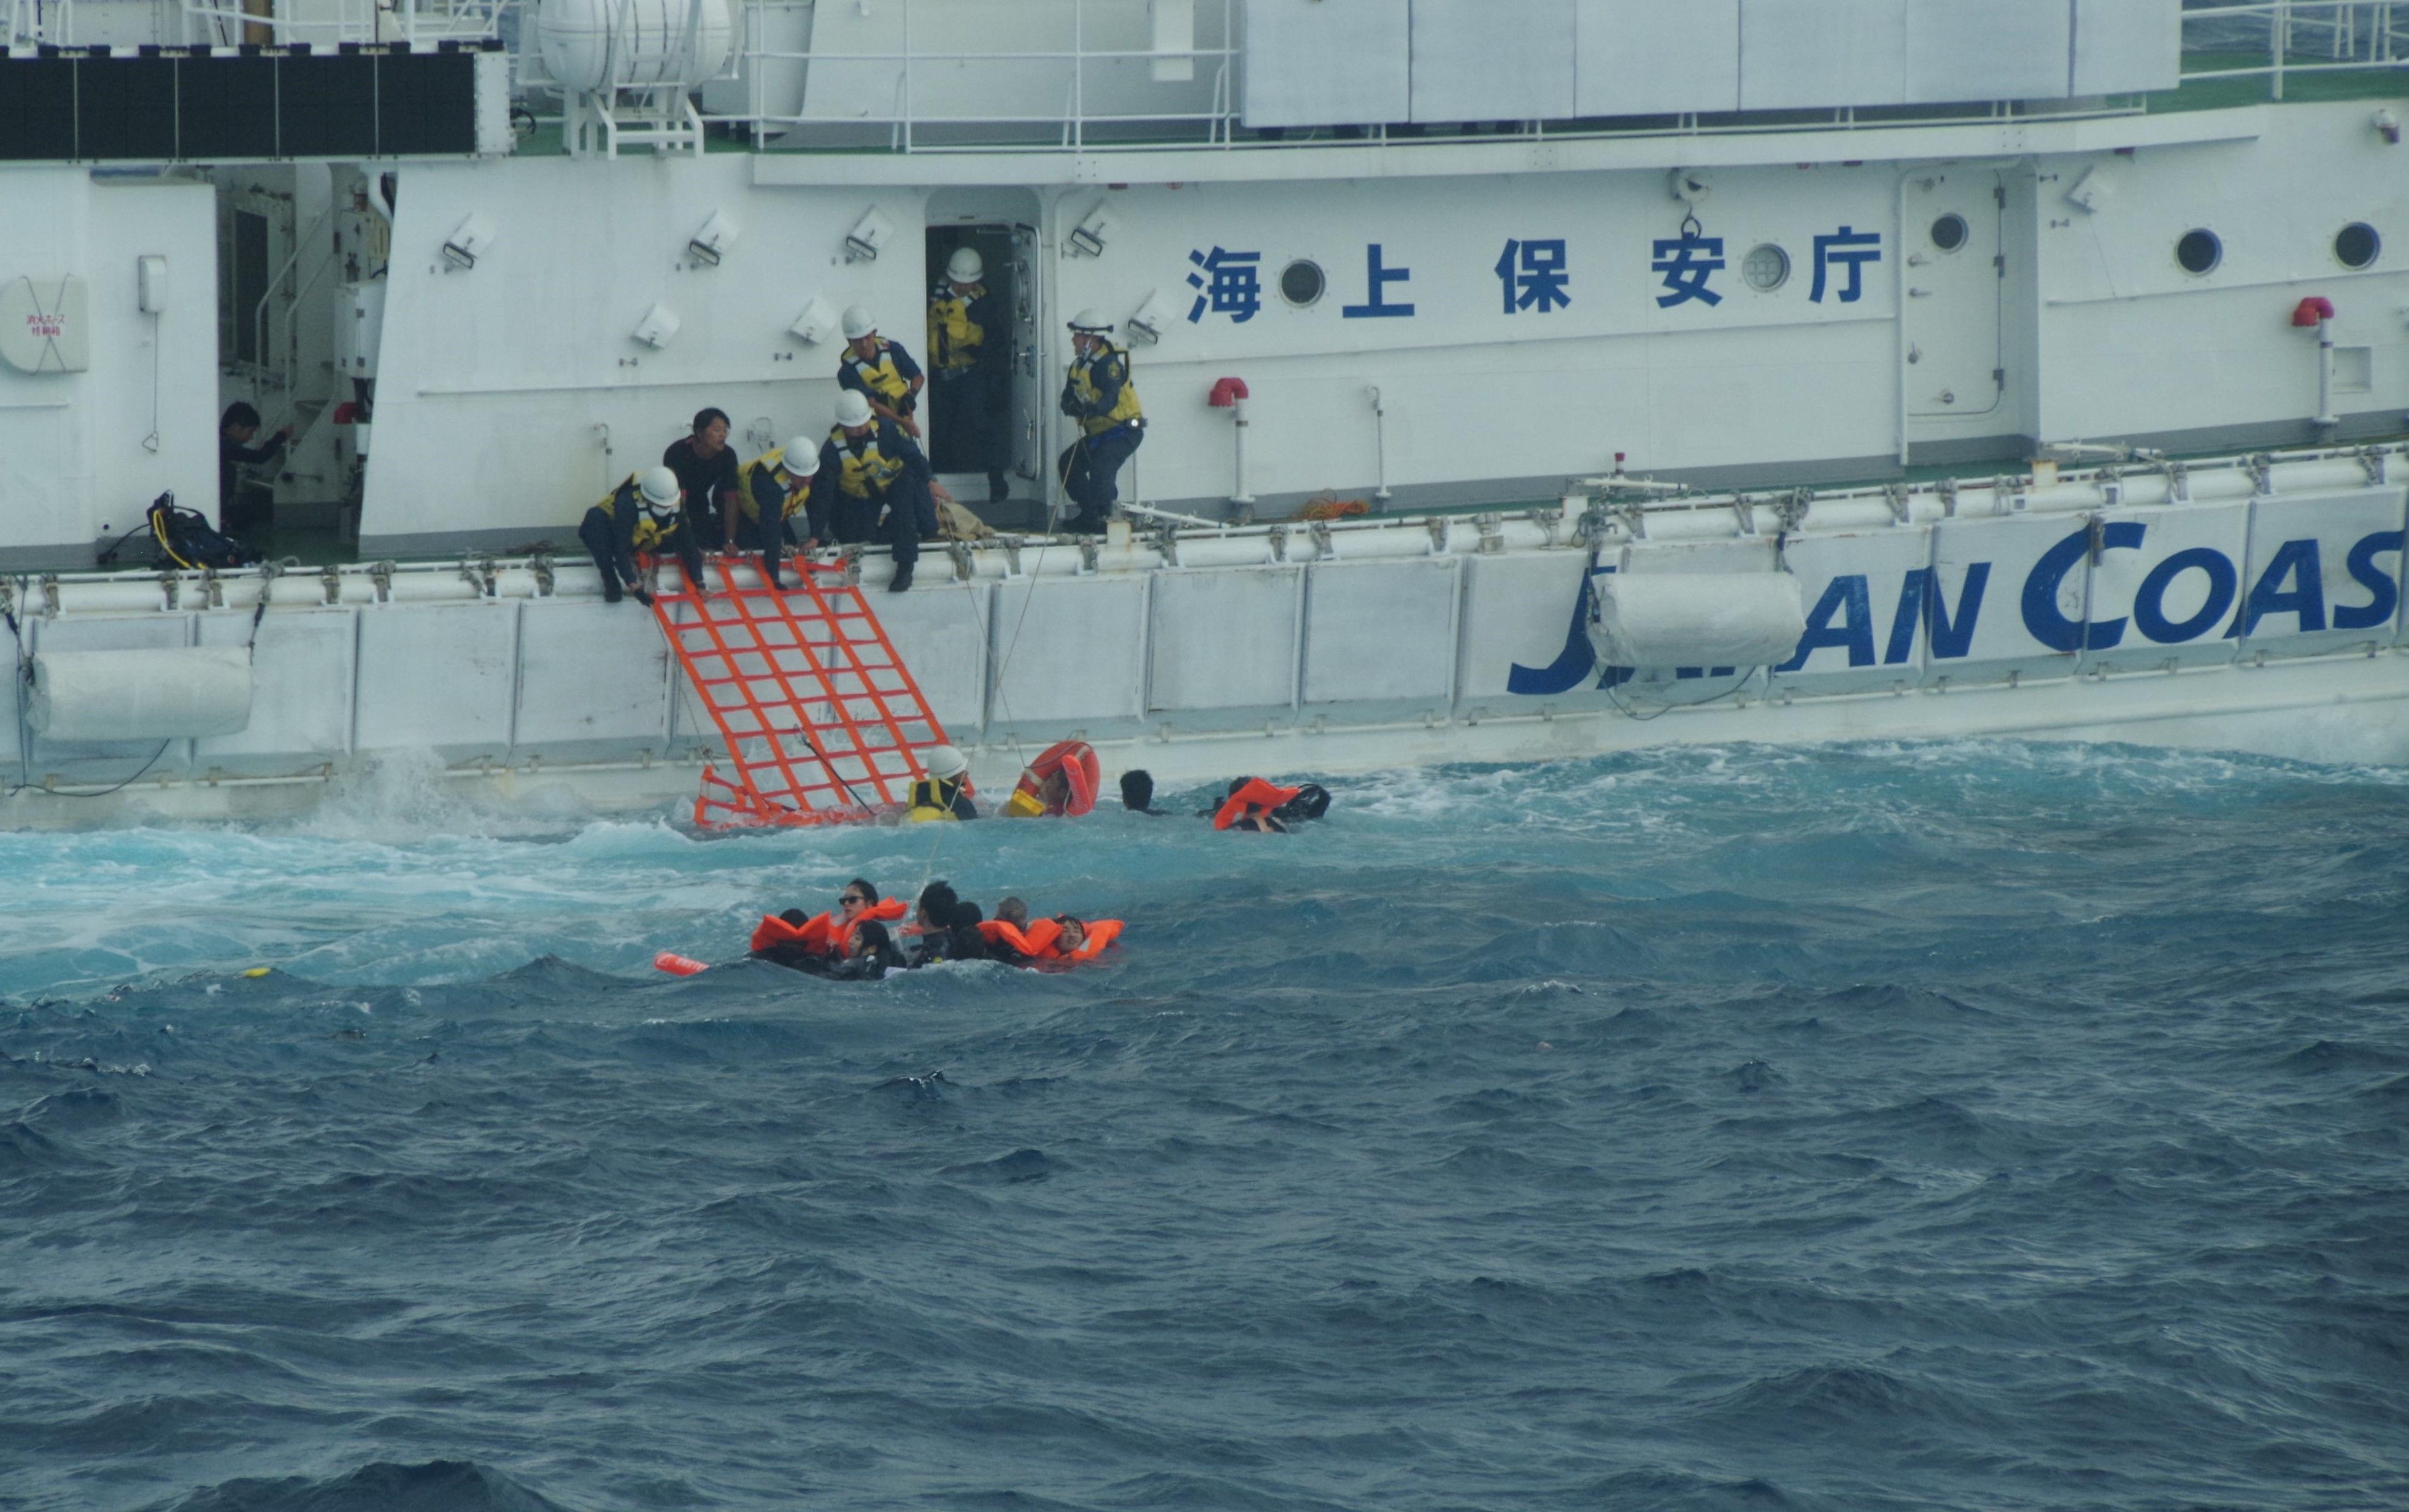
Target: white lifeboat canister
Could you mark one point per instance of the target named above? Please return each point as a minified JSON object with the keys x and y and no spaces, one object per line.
{"x":162,"y":694}
{"x":590,"y":45}
{"x":1704,"y":619}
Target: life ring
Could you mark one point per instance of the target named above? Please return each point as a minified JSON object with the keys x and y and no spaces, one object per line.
{"x":1076,"y":761}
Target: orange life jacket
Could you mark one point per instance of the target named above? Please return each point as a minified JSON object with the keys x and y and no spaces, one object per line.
{"x":1100,"y":932}
{"x":1081,"y":771}
{"x":819,"y":932}
{"x":1255,"y":800}
{"x":1005,"y":933}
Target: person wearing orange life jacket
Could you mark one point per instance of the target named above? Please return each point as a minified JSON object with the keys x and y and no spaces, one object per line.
{"x":810,"y":944}
{"x":880,"y":372}
{"x":1254,"y":805}
{"x":1063,"y":780}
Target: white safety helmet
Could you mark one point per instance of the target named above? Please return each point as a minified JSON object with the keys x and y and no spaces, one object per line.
{"x":858,"y":323}
{"x":944,"y":761}
{"x":803,"y":456}
{"x":1091,"y":321}
{"x":966,"y":265}
{"x":659,"y":488}
{"x":852,"y":408}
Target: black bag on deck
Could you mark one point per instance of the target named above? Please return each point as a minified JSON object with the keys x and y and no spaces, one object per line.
{"x":189,"y":540}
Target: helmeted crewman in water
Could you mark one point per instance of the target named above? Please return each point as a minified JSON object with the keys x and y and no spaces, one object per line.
{"x":644,"y":514}
{"x":1098,"y":394}
{"x":943,"y":792}
{"x":771,"y":489}
{"x":873,"y":484}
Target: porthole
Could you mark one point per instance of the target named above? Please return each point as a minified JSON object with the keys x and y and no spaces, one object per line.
{"x":2357,"y":245}
{"x":1949,"y":232}
{"x":1765,"y":268}
{"x":1301,"y":281}
{"x":2200,"y":252}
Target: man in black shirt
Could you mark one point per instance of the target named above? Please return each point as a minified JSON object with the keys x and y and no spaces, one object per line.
{"x":240,"y":511}
{"x":706,"y":469}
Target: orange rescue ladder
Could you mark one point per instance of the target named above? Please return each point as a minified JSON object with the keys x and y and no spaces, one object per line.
{"x":823,"y":722}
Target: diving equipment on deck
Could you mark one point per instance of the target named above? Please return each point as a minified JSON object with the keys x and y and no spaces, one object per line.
{"x":822,"y":720}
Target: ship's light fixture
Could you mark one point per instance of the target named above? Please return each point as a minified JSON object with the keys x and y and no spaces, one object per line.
{"x":710,"y":244}
{"x":1088,"y":240}
{"x":1150,"y":319}
{"x":868,"y":237}
{"x":658,"y":328}
{"x":474,"y":239}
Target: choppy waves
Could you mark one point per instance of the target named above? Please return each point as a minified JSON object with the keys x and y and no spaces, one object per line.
{"x":1930,"y":1126}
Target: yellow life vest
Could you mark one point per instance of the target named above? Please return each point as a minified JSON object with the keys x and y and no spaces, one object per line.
{"x":868,"y":472}
{"x":749,"y":504}
{"x":880,"y":377}
{"x":1083,"y":385}
{"x":649,"y":530}
{"x":932,"y":800}
{"x":953,"y":335}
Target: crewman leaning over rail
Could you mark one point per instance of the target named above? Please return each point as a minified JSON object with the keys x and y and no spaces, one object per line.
{"x":868,"y":467}
{"x":879,"y":370}
{"x":771,"y":490}
{"x":646,"y":514}
{"x":968,"y":350}
{"x":1099,"y":395}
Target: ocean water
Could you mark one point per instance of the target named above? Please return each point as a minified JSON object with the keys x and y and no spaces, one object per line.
{"x":1946,"y":1126}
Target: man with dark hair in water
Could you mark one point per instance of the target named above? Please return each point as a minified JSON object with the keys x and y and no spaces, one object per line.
{"x":1138,"y":792}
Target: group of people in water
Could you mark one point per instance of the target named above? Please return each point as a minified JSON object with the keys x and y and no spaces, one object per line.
{"x":1062,"y":782}
{"x":853,"y":941}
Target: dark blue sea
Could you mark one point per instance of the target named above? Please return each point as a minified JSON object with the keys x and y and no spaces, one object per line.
{"x":1919,"y":1127}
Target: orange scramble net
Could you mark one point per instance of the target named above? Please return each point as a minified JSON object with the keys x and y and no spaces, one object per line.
{"x":822,"y":720}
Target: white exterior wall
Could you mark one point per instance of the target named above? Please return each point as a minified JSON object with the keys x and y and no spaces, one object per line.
{"x":1476,"y":393}
{"x":78,"y":457}
{"x":2131,"y":344}
{"x":499,"y":386}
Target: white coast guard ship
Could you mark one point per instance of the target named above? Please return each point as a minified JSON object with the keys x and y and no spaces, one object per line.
{"x":1795,"y":369}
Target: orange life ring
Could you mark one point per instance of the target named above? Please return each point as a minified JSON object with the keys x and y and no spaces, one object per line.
{"x":1254,"y":800}
{"x":1080,"y":770}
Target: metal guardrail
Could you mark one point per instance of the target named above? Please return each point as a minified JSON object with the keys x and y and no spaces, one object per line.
{"x":2298,"y":37}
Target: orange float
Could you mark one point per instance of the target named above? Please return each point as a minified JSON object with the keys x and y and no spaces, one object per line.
{"x":1076,"y":762}
{"x":1254,"y":800}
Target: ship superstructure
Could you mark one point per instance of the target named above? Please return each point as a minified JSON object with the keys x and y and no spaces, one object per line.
{"x":1443,"y":256}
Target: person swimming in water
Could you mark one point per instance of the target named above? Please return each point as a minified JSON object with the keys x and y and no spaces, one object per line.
{"x":871,"y":956}
{"x":1138,"y":792}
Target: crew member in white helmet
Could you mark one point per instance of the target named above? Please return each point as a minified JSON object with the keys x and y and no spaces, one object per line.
{"x":879,"y":370}
{"x":873,"y":484}
{"x":771,"y":490}
{"x":970,"y":349}
{"x":944,"y":792}
{"x":1098,"y":394}
{"x":646,"y":514}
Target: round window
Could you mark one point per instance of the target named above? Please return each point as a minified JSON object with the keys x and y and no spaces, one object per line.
{"x":2357,"y":245}
{"x":2200,"y":252}
{"x":1301,"y":281}
{"x":1949,"y":232}
{"x":1766,"y":268}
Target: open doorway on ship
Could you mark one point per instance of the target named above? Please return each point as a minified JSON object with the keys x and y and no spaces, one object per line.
{"x":984,"y":353}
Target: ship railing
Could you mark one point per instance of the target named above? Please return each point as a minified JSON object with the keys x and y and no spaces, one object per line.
{"x":2277,"y":40}
{"x":334,"y":21}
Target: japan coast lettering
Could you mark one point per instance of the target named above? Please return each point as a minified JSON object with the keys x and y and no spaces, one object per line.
{"x":2292,"y":585}
{"x":1534,"y":276}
